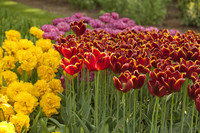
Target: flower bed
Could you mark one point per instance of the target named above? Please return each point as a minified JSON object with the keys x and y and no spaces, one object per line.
{"x":129,"y":81}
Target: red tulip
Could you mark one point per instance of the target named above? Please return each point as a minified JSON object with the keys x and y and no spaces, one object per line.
{"x":73,"y":65}
{"x":96,"y":60}
{"x":124,"y":83}
{"x":157,"y":89}
{"x":197,"y":102}
{"x":69,"y":52}
{"x":78,"y":27}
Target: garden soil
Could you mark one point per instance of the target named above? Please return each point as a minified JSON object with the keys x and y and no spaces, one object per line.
{"x":172,"y":20}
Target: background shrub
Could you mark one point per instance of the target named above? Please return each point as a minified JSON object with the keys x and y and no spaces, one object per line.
{"x":190,"y":12}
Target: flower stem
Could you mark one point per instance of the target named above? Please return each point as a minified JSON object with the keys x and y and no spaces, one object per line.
{"x":154,"y":108}
{"x":164,"y":102}
{"x":124,"y":109}
{"x":171,"y":113}
{"x":140,"y":110}
{"x":117,"y":111}
{"x":134,"y":109}
{"x":191,"y":126}
{"x":96,"y":101}
{"x":196,"y":120}
{"x":183,"y":104}
{"x":156,"y":114}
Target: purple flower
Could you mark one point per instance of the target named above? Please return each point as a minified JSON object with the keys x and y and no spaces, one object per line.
{"x":58,"y":20}
{"x":105,"y":19}
{"x":63,"y":26}
{"x":51,"y":35}
{"x":47,"y":27}
{"x":115,"y":15}
{"x":173,"y":32}
{"x":95,"y":23}
{"x":62,"y":79}
{"x":151,"y":29}
{"x":120,"y":25}
{"x":86,"y":19}
{"x":125,"y":20}
{"x":71,"y":19}
{"x":77,"y":15}
{"x":106,"y":14}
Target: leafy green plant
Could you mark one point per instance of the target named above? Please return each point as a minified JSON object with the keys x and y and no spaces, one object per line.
{"x":190,"y":12}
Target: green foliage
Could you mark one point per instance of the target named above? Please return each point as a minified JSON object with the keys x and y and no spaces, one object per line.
{"x":190,"y":12}
{"x":147,"y":12}
{"x":83,"y":4}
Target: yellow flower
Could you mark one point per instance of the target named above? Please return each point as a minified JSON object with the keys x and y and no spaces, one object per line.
{"x":7,"y":62}
{"x":3,"y":99}
{"x":3,"y":90}
{"x":19,"y":120}
{"x":25,"y":44}
{"x":6,"y":112}
{"x":37,"y":52}
{"x":36,"y":32}
{"x":40,"y":88}
{"x":25,"y":103}
{"x":10,"y":47}
{"x":45,"y":73}
{"x":1,"y":53}
{"x":26,"y":59}
{"x":50,"y":103}
{"x":6,"y":127}
{"x":9,"y":77}
{"x":13,"y":35}
{"x":51,"y":58}
{"x":14,"y":88}
{"x":20,"y":71}
{"x":56,"y":86}
{"x":45,"y":44}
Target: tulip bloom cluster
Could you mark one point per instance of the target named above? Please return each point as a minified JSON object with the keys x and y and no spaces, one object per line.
{"x":168,"y":59}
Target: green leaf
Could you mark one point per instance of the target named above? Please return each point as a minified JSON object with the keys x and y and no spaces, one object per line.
{"x":44,"y":126}
{"x":4,"y":82}
{"x":24,"y":129}
{"x":61,"y":126}
{"x":82,"y":123}
{"x":36,"y":119}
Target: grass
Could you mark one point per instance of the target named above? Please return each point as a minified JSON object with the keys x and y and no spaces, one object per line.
{"x":37,"y":15}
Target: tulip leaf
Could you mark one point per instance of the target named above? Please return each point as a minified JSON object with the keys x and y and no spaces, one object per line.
{"x":36,"y":119}
{"x":44,"y":126}
{"x":61,"y":126}
{"x":4,"y":82}
{"x":24,"y":129}
{"x":82,"y":123}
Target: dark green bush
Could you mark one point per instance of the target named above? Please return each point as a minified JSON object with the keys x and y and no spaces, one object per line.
{"x":190,"y":12}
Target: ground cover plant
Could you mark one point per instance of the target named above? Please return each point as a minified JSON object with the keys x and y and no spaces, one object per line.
{"x":93,"y":80}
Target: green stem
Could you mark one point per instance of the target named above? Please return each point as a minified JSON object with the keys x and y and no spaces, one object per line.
{"x":124,"y":109}
{"x":196,"y":120}
{"x":157,"y":108}
{"x":105,"y":96}
{"x":134,"y":109}
{"x":184,"y":103}
{"x":171,"y":113}
{"x":74,"y":105}
{"x":96,"y":100}
{"x":154,"y":108}
{"x":88,"y":82}
{"x":191,"y":126}
{"x":141,"y":91}
{"x":117,"y":111}
{"x":164,"y":102}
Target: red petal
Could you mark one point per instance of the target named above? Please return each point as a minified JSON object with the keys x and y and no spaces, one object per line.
{"x":71,"y":69}
{"x":178,"y":84}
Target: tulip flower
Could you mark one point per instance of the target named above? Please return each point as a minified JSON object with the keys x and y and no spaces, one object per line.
{"x":96,"y":60}
{"x":69,"y":52}
{"x":73,"y":65}
{"x":78,"y":27}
